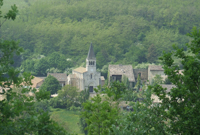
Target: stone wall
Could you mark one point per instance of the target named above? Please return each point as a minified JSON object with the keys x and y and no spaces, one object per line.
{"x":142,"y":72}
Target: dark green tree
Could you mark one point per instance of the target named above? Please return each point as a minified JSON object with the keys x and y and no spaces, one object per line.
{"x":17,"y":106}
{"x":152,"y":54}
{"x":100,"y":113}
{"x":41,"y":66}
{"x":183,"y":105}
{"x":50,"y":84}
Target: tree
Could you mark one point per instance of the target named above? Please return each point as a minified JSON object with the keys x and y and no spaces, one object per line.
{"x":157,"y":79}
{"x":17,"y":106}
{"x":69,"y":96}
{"x":41,"y":66}
{"x":138,"y":84}
{"x":178,"y":111}
{"x":183,"y":105}
{"x":50,"y":84}
{"x":99,"y":114}
{"x":152,"y":54}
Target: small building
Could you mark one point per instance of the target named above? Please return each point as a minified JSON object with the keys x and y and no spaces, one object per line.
{"x":154,"y":70}
{"x":118,"y":72}
{"x":61,"y":77}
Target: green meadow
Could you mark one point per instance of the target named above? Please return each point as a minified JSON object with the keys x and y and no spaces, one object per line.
{"x":67,"y":119}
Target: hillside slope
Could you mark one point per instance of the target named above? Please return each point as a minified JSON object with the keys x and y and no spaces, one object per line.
{"x":122,"y":31}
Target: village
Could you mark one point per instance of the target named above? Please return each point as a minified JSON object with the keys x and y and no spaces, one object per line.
{"x":89,"y":78}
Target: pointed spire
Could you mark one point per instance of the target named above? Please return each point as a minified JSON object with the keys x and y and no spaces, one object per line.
{"x":91,"y":54}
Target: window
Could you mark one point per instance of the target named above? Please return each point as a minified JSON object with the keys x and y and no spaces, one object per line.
{"x":91,"y":62}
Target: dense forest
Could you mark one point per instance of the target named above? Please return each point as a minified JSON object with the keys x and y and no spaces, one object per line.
{"x":56,"y":34}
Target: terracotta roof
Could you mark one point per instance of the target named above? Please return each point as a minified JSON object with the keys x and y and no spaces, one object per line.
{"x":126,"y":70}
{"x":59,"y":76}
{"x":155,"y":68}
{"x":80,"y":69}
{"x":35,"y":81}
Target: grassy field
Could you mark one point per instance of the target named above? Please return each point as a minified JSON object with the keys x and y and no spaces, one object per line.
{"x":68,"y":119}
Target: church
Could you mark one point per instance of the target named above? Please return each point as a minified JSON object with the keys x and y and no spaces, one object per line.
{"x":86,"y":78}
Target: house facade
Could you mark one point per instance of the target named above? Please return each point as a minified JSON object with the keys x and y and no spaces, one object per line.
{"x":154,"y":70}
{"x":120,"y":72}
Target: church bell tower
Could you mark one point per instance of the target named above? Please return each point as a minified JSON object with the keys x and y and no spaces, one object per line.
{"x":91,"y":60}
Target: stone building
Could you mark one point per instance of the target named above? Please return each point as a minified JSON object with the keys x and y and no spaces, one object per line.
{"x":61,"y":77}
{"x":118,"y":72}
{"x":143,"y":73}
{"x":86,"y":78}
{"x":154,"y":70}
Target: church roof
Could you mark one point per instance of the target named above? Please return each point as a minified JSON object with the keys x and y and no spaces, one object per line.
{"x":126,"y":70}
{"x":80,"y":70}
{"x":91,"y":54}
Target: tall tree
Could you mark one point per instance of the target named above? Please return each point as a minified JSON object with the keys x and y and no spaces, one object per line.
{"x":183,"y":105}
{"x":17,"y":107}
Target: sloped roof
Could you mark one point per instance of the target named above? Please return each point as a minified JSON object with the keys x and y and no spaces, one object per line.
{"x":80,"y":70}
{"x":126,"y":70}
{"x":35,"y":81}
{"x":91,"y":54}
{"x":155,"y":68}
{"x":59,"y":76}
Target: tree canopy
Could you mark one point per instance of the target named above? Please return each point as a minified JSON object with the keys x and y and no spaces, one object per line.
{"x":18,"y":111}
{"x":50,"y":84}
{"x":122,"y":31}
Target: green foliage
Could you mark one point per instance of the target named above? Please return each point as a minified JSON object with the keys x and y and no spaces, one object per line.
{"x":145,"y":118}
{"x":183,"y":105}
{"x":138,"y":84}
{"x":40,"y":67}
{"x":126,"y":81}
{"x":157,"y":80}
{"x":99,"y":114}
{"x":167,"y":81}
{"x":116,"y":90}
{"x":68,"y":96}
{"x":131,"y":33}
{"x":18,"y":106}
{"x":50,"y":84}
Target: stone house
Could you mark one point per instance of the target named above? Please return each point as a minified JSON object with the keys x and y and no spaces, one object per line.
{"x":143,"y":73}
{"x":61,"y":77}
{"x":118,"y":72}
{"x":86,"y":78}
{"x":154,"y":70}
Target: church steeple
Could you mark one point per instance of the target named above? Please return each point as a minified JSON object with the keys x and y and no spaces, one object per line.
{"x":91,"y":60}
{"x":91,"y":54}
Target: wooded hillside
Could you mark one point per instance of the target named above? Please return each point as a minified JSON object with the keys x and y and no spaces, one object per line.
{"x":122,"y":31}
